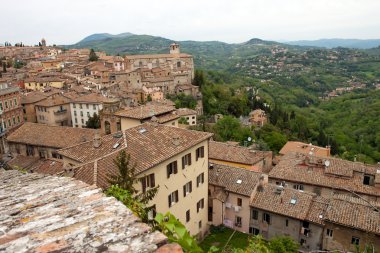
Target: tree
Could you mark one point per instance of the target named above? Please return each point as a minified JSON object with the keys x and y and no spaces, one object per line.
{"x":199,"y":78}
{"x":93,"y":56}
{"x":126,"y":178}
{"x":283,"y":245}
{"x":93,"y":122}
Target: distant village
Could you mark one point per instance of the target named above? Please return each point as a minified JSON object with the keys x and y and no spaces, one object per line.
{"x":48,"y":95}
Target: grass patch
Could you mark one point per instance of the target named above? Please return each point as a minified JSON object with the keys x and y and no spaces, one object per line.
{"x":219,"y":236}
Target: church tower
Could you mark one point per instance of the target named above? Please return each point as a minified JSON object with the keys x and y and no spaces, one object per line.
{"x":174,"y":48}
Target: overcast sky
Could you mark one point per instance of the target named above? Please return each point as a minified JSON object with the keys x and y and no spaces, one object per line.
{"x":68,"y":21}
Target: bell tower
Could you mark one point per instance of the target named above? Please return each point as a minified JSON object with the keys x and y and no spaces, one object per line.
{"x":174,"y":48}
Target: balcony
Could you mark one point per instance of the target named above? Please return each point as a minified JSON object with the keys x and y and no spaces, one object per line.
{"x":63,"y":111}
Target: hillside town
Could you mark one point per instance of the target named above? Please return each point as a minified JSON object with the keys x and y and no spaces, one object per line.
{"x":67,"y":115}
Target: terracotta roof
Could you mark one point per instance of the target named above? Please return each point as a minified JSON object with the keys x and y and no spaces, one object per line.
{"x":50,"y":136}
{"x":42,"y":213}
{"x":185,"y":112}
{"x":231,"y":153}
{"x":355,"y":213}
{"x":317,"y":210}
{"x":48,"y":166}
{"x":32,"y":97}
{"x":300,"y":147}
{"x":93,"y":98}
{"x":9,"y":90}
{"x":54,"y":101}
{"x":232,"y":179}
{"x":144,"y":111}
{"x":288,"y":202}
{"x":24,"y":162}
{"x":339,"y":174}
{"x":148,"y":145}
{"x":167,"y":117}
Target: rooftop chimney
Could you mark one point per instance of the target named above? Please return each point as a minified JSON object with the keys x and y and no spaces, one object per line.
{"x":97,"y":140}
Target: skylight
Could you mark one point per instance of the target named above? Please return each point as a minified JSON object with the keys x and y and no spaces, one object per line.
{"x":239,"y":181}
{"x":293,"y":201}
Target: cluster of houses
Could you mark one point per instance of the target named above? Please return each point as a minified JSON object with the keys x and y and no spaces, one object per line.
{"x":322,"y":202}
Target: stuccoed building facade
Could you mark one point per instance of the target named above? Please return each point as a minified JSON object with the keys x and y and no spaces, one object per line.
{"x":172,"y":158}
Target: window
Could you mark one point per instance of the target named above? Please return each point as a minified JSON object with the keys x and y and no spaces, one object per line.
{"x":87,"y":106}
{"x":1,"y":106}
{"x":118,"y":126}
{"x":18,"y":119}
{"x":148,"y":182}
{"x":329,"y":232}
{"x":298,"y":187}
{"x":75,"y":113}
{"x":94,"y":107}
{"x":15,"y":102}
{"x":200,"y":204}
{"x":173,"y":198}
{"x":9,"y":122}
{"x":200,"y":224}
{"x":10,"y":103}
{"x":88,"y":114}
{"x":82,"y":120}
{"x":186,"y":160}
{"x":74,"y":106}
{"x":76,"y":120}
{"x":80,"y":106}
{"x":266,"y":217}
{"x":199,"y":153}
{"x":286,"y":223}
{"x":171,"y":168}
{"x":187,"y":215}
{"x":254,"y":214}
{"x":81,"y":113}
{"x":239,"y":202}
{"x":355,"y":240}
{"x":29,"y":150}
{"x":14,"y":120}
{"x":237,"y":221}
{"x":200,"y":179}
{"x":6,"y":104}
{"x":367,"y":180}
{"x":187,"y":188}
{"x":254,"y":231}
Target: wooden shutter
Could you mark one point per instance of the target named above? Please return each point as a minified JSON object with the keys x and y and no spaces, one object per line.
{"x":189,"y":159}
{"x":198,"y":204}
{"x":183,"y":162}
{"x":175,"y":167}
{"x":184,"y":190}
{"x":143,"y":183}
{"x":176,"y":196}
{"x":202,"y":151}
{"x":191,"y":186}
{"x":170,"y":200}
{"x":168,"y":170}
{"x":196,"y":154}
{"x":152,"y":180}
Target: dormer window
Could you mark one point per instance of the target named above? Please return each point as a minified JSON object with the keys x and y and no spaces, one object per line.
{"x":368,"y":179}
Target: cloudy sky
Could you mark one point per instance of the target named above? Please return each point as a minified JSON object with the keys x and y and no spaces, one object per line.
{"x":68,"y":21}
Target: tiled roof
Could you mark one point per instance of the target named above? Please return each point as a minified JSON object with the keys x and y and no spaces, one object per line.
{"x":233,"y":179}
{"x":42,"y":213}
{"x":300,"y":147}
{"x":90,"y":98}
{"x":147,"y":144}
{"x":24,"y":162}
{"x":317,"y":210}
{"x":9,"y":90}
{"x":185,"y":112}
{"x":281,"y":203}
{"x":144,"y":111}
{"x":49,"y":166}
{"x":50,"y":136}
{"x":32,"y":97}
{"x":167,"y":117}
{"x":54,"y":101}
{"x":340,"y":174}
{"x":231,"y":153}
{"x":355,"y":213}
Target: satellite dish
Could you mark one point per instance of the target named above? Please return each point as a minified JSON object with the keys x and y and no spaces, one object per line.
{"x":249,"y":139}
{"x":327,"y":163}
